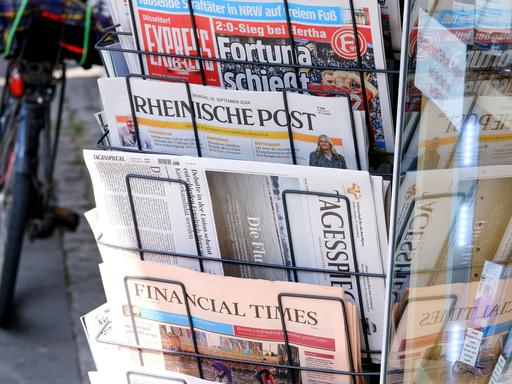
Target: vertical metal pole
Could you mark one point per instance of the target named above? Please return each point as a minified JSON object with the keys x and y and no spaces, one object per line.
{"x":395,"y":188}
{"x":361,"y":73}
{"x":196,"y":40}
{"x":289,"y":124}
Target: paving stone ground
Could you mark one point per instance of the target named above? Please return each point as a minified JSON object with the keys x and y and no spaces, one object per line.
{"x":59,"y":279}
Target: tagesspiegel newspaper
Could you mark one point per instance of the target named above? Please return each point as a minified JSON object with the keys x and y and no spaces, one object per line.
{"x":248,"y":31}
{"x":247,"y":211}
{"x":235,"y":318}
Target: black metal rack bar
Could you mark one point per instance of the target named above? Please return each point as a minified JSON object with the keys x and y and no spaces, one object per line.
{"x":352,"y":246}
{"x":189,"y":96}
{"x":134,"y":374}
{"x":99,"y":47}
{"x":190,"y":207}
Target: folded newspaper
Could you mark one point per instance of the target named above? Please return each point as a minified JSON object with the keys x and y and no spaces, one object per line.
{"x":434,"y":239}
{"x":435,"y":324}
{"x":170,"y":309}
{"x":251,"y":213}
{"x":248,"y":31}
{"x":476,"y":131}
{"x":241,"y":125}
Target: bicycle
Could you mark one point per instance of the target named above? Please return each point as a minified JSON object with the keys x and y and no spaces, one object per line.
{"x":36,"y":73}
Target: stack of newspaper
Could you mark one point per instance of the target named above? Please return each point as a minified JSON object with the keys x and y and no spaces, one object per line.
{"x":304,"y":44}
{"x":465,"y":115}
{"x":275,"y":229}
{"x":458,"y":328}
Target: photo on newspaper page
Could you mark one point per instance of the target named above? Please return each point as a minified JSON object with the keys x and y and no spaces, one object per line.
{"x":239,"y":125}
{"x":241,"y":32}
{"x":232,"y":318}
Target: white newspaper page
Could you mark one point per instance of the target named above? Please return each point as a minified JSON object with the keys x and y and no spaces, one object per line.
{"x":241,"y":125}
{"x":243,"y":212}
{"x":231,"y":317}
{"x":104,"y":354}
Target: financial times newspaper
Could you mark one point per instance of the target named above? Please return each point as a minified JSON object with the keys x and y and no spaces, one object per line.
{"x":239,"y":209}
{"x":436,"y":322}
{"x":232,"y":318}
{"x":241,"y":125}
{"x":248,"y":31}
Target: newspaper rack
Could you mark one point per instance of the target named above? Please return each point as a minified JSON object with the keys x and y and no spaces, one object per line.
{"x":379,"y":156}
{"x":370,"y":372}
{"x":292,"y":271}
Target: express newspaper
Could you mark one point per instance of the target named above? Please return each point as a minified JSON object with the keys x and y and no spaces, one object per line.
{"x":247,"y":31}
{"x":247,"y":211}
{"x":454,"y":36}
{"x":241,"y":125}
{"x":232,"y":318}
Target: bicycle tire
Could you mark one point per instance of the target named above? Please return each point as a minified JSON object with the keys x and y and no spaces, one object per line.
{"x":16,"y":191}
{"x":15,"y":232}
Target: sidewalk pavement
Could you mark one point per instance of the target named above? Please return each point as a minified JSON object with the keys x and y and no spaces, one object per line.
{"x":59,"y":278}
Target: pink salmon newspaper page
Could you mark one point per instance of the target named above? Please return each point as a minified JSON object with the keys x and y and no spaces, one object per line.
{"x":233,"y":318}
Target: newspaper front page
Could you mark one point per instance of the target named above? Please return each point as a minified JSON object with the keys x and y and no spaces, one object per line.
{"x":94,"y":322}
{"x":434,"y":238}
{"x":232,"y":318}
{"x":480,"y":134}
{"x":239,"y":125}
{"x":247,"y":211}
{"x":248,"y":31}
{"x":435,"y":321}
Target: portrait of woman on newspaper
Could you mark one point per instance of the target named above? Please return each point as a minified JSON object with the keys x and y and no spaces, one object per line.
{"x":325,"y":155}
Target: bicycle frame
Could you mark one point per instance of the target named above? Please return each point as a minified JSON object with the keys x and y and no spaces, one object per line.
{"x":36,"y":140}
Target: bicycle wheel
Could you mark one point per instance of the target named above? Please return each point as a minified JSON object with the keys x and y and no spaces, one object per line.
{"x":15,"y":191}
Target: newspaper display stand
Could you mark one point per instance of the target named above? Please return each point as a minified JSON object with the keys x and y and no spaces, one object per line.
{"x":380,"y":163}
